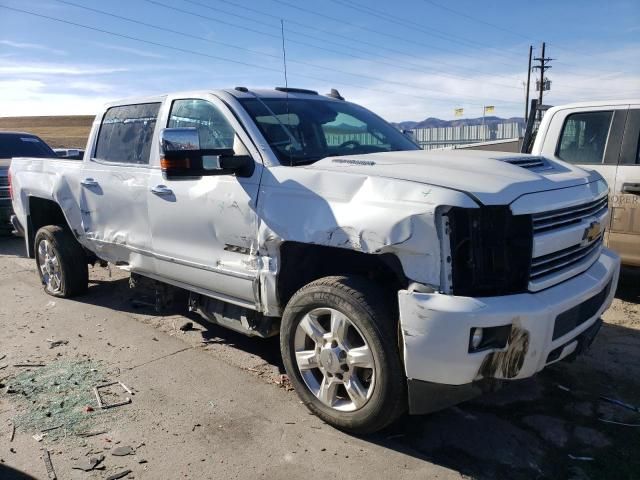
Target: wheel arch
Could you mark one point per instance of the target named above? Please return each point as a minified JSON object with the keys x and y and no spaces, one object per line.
{"x":42,"y":212}
{"x":302,"y":263}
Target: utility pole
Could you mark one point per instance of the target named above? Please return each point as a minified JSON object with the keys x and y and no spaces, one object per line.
{"x":543,"y":84}
{"x":526,"y":99}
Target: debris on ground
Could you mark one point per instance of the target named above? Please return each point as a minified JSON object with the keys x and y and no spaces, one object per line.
{"x":584,"y":459}
{"x":619,"y":423}
{"x":29,"y":365}
{"x":620,"y":403}
{"x":13,"y":432}
{"x":284,"y":382}
{"x":123,"y":451}
{"x":109,"y":393}
{"x":118,"y":475}
{"x":88,"y":464}
{"x":186,"y":326}
{"x":91,"y":434}
{"x":38,"y":437}
{"x":56,"y":343}
{"x":44,"y":430}
{"x":51,"y":473}
{"x":54,"y":396}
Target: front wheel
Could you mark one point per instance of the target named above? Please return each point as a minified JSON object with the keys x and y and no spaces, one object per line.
{"x":339,"y":347}
{"x":61,"y":262}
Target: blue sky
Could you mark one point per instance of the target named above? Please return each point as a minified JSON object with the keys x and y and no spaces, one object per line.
{"x":406,"y":60}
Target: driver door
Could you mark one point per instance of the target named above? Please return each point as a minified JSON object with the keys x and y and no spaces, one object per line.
{"x":204,"y":230}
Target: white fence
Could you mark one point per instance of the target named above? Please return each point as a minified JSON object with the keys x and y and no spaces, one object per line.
{"x":430,"y":138}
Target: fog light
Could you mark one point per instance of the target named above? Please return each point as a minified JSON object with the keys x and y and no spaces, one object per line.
{"x":476,"y":338}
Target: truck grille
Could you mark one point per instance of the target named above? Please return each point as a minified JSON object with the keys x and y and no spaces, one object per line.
{"x":562,"y":259}
{"x":563,"y":227}
{"x":543,"y":222}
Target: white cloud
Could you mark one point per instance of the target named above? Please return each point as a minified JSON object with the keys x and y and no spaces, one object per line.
{"x":31,"y":46}
{"x":31,"y":97}
{"x":129,"y":50}
{"x":23,"y":68}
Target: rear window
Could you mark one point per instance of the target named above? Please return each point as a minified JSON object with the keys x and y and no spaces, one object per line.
{"x":584,"y":137}
{"x":126,"y":133}
{"x":17,"y":145}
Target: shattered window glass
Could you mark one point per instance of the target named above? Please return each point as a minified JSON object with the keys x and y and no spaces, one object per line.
{"x":126,"y":133}
{"x":213,"y":129}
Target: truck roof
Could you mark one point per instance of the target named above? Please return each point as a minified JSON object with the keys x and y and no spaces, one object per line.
{"x":238,"y":92}
{"x":600,"y":103}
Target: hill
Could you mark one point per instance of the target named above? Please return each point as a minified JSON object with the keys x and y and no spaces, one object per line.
{"x":432,"y":122}
{"x":69,"y":131}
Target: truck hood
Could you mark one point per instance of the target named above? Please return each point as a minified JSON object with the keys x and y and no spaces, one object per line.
{"x":492,"y":178}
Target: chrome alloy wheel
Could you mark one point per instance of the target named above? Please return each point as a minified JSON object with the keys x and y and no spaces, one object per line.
{"x":49,"y":266}
{"x":334,"y":359}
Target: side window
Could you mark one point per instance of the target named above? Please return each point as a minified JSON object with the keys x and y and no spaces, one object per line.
{"x":213,"y":129}
{"x":346,"y":128}
{"x":126,"y":133}
{"x":584,"y":137}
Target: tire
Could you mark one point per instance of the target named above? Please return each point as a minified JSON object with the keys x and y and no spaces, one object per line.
{"x":353,"y":397}
{"x":61,"y":262}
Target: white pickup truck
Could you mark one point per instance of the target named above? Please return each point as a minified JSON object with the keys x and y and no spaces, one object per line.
{"x":603,"y":136}
{"x":397,"y":278}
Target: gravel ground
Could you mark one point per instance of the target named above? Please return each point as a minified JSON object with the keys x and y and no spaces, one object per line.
{"x":209,"y":403}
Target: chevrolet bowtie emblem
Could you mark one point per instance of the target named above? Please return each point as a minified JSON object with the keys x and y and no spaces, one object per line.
{"x":592,"y":232}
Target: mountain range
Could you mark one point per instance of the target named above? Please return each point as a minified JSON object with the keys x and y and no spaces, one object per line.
{"x":432,"y":122}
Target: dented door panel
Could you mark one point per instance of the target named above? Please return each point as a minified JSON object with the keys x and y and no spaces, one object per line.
{"x":204,"y":230}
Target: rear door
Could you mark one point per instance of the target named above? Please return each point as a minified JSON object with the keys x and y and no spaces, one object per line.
{"x":625,"y":223}
{"x":114,"y":183}
{"x":205,"y":229}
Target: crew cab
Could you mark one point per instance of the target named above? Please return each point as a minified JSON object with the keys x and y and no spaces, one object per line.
{"x":397,"y":278}
{"x":603,"y":136}
{"x":15,"y":144}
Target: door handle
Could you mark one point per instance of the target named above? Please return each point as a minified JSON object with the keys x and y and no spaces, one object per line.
{"x":161,"y":190}
{"x":633,"y":188}
{"x":89,"y":182}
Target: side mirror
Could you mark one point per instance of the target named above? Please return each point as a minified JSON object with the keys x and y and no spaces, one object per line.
{"x":181,"y":156}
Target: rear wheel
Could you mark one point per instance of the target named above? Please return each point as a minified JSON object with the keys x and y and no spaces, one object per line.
{"x":61,"y":262}
{"x":338,"y":342}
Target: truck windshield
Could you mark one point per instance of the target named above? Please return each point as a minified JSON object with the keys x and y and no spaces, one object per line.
{"x":21,"y":145}
{"x":302,"y":131}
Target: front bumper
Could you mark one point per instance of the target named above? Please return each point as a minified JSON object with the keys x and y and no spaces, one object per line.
{"x":546,"y":327}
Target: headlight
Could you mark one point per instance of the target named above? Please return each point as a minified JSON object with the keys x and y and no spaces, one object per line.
{"x":490,"y":251}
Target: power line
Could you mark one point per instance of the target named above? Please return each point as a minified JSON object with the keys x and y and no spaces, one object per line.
{"x":507,"y":30}
{"x":214,"y":57}
{"x":416,"y":26}
{"x":371,"y":30}
{"x":476,"y":19}
{"x":291,"y":31}
{"x":201,"y":16}
{"x":351,"y":39}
